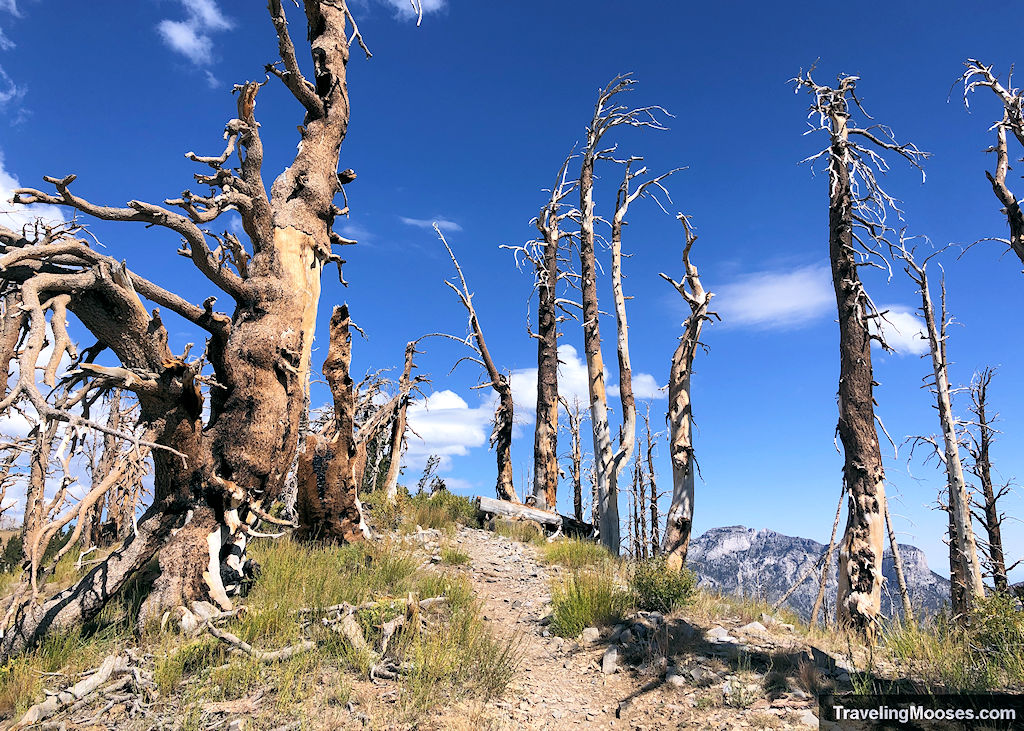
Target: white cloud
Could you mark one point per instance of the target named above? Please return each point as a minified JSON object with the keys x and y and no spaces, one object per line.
{"x":191,"y":37}
{"x":777,"y":299}
{"x":8,"y":6}
{"x":903,"y":330}
{"x":405,"y":8}
{"x":15,"y":216}
{"x":572,"y":384}
{"x":442,"y":223}
{"x":355,"y":231}
{"x":446,"y":425}
{"x":645,"y":386}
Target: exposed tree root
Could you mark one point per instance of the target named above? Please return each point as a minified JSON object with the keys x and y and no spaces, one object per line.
{"x":118,"y":679}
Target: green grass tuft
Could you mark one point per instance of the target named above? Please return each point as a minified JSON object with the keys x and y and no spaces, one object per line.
{"x":588,"y":598}
{"x":575,"y":554}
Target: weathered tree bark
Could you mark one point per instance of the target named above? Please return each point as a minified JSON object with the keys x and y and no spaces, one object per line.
{"x":398,"y":426}
{"x":979,"y":75}
{"x":680,"y":412}
{"x":575,"y":418}
{"x":215,"y":478}
{"x":327,"y":502}
{"x":653,"y":485}
{"x":897,"y":564}
{"x":826,"y":567}
{"x":959,"y":503}
{"x":988,"y":513}
{"x":957,"y":578}
{"x":547,"y":276}
{"x":501,"y":435}
{"x":551,"y":519}
{"x":608,"y":461}
{"x":860,"y":558}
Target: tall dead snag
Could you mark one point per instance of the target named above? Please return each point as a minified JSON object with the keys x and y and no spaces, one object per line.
{"x":215,"y":476}
{"x":897,"y":565}
{"x":333,"y":464}
{"x":826,"y":566}
{"x":651,"y":443}
{"x":327,"y":501}
{"x":977,"y":76}
{"x":398,"y":425}
{"x":575,"y":416}
{"x":979,"y":445}
{"x":608,"y":461}
{"x":959,"y":502}
{"x":501,"y":435}
{"x":544,"y":255}
{"x":857,"y":227}
{"x":680,"y":412}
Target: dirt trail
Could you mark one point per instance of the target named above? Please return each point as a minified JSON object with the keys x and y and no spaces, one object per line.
{"x":559,"y":683}
{"x":671,"y":678}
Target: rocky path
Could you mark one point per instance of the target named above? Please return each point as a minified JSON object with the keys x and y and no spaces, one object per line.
{"x":650,"y":673}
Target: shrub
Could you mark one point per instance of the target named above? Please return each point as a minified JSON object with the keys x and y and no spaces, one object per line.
{"x":575,"y":554}
{"x":584,"y":599}
{"x":657,"y":588}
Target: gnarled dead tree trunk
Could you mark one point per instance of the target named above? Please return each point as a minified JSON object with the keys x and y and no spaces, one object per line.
{"x":213,"y":480}
{"x":608,"y":460}
{"x":976,"y":76}
{"x":979,"y":445}
{"x":680,"y":412}
{"x":959,"y":502}
{"x":501,"y":435}
{"x":545,"y":256}
{"x":854,"y":161}
{"x":651,"y":443}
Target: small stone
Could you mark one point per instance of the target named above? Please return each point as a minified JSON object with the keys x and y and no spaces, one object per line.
{"x":807,"y":718}
{"x":675,"y":680}
{"x":591,"y":635}
{"x":703,"y":676}
{"x":610,"y":661}
{"x":768,"y":620}
{"x":237,"y":725}
{"x":753,"y":627}
{"x":623,"y":708}
{"x":800,"y":694}
{"x":717,"y":634}
{"x":626,"y":637}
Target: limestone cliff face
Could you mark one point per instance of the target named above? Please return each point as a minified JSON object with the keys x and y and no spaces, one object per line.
{"x":763,"y":563}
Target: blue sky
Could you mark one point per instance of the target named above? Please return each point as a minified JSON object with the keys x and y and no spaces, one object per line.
{"x":466,"y":119}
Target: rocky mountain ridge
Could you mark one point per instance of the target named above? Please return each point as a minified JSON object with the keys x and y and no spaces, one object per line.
{"x":763,"y":563}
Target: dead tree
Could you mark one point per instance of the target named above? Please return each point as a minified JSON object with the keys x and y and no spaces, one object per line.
{"x":545,"y":255}
{"x":575,"y":417}
{"x":399,"y":425}
{"x":826,"y":566}
{"x":215,"y":476}
{"x":857,"y":228}
{"x":651,"y":444}
{"x":897,"y":564}
{"x":979,"y":446}
{"x":608,"y":461}
{"x":936,"y":325}
{"x":501,"y":435}
{"x":680,"y":411}
{"x":978,"y":76}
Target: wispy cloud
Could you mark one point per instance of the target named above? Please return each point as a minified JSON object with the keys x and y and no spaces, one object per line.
{"x":192,"y":37}
{"x":903,"y":331}
{"x":776,"y":299}
{"x":442,"y":223}
{"x":405,"y":8}
{"x":444,"y":424}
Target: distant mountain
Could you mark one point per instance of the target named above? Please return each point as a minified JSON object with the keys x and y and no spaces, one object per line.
{"x":763,"y":563}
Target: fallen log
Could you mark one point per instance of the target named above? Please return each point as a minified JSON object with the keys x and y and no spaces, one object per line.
{"x":552,"y":522}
